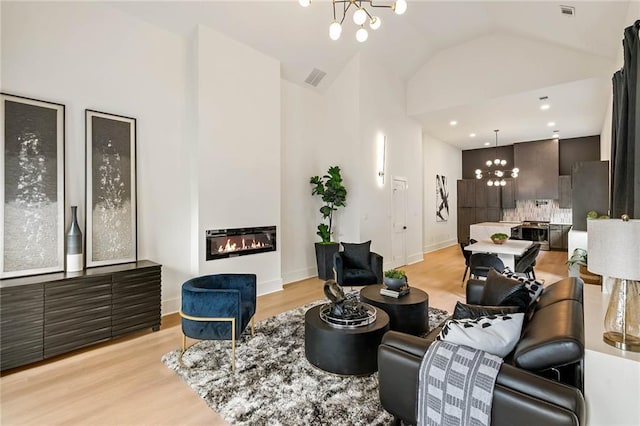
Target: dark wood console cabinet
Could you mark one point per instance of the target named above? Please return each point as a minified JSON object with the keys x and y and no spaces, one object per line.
{"x":47,"y":315}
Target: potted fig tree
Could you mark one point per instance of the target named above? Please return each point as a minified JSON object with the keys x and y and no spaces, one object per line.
{"x":331,"y":190}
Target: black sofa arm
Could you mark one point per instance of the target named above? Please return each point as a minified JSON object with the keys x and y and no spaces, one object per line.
{"x":520,"y":397}
{"x":375,"y":261}
{"x":338,"y":266}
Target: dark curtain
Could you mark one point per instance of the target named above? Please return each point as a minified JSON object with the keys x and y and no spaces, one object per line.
{"x":625,"y":130}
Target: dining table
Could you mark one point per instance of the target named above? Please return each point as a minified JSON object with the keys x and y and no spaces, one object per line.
{"x":507,"y":251}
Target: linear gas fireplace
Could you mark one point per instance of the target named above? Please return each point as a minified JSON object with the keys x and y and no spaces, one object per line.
{"x":223,"y":243}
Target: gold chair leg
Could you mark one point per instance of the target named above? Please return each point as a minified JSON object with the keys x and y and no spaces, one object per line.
{"x":233,"y":344}
{"x":253,"y":326}
{"x":182,"y":350}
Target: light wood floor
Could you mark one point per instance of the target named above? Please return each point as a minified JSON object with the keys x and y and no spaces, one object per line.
{"x":125,"y":383}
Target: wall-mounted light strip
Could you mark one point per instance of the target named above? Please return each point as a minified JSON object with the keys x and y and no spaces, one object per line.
{"x":381,"y":150}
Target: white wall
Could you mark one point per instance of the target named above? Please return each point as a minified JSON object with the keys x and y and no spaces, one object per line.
{"x":304,"y":132}
{"x":382,"y":112}
{"x":238,"y":149}
{"x":498,"y":65}
{"x":87,"y":55}
{"x":442,"y":159}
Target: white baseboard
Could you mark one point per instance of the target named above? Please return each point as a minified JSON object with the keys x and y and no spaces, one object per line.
{"x":298,"y":275}
{"x":415,"y":258}
{"x":267,"y":287}
{"x":440,"y":245}
{"x":170,"y":306}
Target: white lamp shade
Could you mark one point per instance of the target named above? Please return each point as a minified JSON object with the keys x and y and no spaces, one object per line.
{"x":362,"y":35}
{"x":400,"y":7}
{"x":375,"y":23}
{"x":613,"y":248}
{"x":359,"y":16}
{"x":335,"y":29}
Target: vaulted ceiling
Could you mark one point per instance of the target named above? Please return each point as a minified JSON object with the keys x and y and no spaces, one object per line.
{"x":298,"y":38}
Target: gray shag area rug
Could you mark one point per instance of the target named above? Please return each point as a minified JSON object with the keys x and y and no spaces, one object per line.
{"x":274,"y":384}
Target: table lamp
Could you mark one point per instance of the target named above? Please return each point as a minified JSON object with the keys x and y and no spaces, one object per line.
{"x":614,"y":251}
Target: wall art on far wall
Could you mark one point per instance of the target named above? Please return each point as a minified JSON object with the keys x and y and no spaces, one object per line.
{"x":32,"y":181}
{"x":111,"y":231}
{"x":442,"y":199}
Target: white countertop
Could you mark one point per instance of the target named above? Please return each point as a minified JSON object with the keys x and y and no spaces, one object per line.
{"x":509,"y":247}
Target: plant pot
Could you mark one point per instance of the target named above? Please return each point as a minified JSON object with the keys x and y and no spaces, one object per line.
{"x":588,"y":277}
{"x":324,"y":259}
{"x":394,"y":283}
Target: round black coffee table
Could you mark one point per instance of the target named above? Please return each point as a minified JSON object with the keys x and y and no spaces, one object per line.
{"x":409,"y":313}
{"x":347,"y":351}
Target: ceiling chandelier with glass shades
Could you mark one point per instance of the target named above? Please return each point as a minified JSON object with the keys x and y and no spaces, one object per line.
{"x":362,"y":13}
{"x":496,"y":171}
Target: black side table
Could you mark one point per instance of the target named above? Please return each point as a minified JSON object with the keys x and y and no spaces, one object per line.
{"x":409,"y":313}
{"x":347,"y":351}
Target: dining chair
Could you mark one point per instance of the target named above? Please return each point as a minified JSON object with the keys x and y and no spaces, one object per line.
{"x":480,"y":263}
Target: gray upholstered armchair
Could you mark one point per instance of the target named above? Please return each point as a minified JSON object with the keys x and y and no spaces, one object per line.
{"x":357,"y":265}
{"x":218,"y":307}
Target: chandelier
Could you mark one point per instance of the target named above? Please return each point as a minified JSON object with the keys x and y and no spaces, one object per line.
{"x":360,"y":15}
{"x":495,"y":171}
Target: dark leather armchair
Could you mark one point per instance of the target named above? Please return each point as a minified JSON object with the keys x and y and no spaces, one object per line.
{"x":357,"y":266}
{"x":540,"y":382}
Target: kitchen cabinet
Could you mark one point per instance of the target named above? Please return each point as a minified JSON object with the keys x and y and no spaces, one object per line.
{"x":466,"y":192}
{"x":466,"y":218}
{"x":539,"y":170}
{"x":508,"y":195}
{"x":564,"y":192}
{"x":559,"y":236}
{"x":589,"y":191}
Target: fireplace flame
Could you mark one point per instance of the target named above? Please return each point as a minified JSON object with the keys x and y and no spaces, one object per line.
{"x":230,"y":246}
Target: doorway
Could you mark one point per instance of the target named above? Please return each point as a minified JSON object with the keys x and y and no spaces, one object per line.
{"x":399,"y":222}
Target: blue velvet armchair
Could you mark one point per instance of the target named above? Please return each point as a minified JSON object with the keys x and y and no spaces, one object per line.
{"x":218,"y":307}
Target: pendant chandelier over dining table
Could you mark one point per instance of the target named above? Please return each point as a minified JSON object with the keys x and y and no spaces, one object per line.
{"x":361,"y":15}
{"x":495,"y":171}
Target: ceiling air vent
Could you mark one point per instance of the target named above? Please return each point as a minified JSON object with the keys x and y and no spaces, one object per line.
{"x":315,"y":77}
{"x":567,"y":10}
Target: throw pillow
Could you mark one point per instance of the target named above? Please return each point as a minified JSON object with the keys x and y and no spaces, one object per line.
{"x":495,"y":334}
{"x":502,"y":291}
{"x":464,"y":311}
{"x":356,"y":255}
{"x":534,"y":288}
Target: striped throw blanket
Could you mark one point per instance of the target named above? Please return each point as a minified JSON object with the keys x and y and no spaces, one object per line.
{"x":456,"y":385}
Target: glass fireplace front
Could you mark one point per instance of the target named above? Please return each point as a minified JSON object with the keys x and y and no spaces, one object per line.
{"x":223,"y":243}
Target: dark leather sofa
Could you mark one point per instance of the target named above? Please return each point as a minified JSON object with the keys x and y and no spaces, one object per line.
{"x":540,"y":382}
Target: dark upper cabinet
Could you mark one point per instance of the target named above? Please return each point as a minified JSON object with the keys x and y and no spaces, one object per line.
{"x":493,"y":196}
{"x":466,"y":193}
{"x":539,"y":170}
{"x":564,"y":189}
{"x":589,"y":191}
{"x":466,"y":218}
{"x":481,"y":193}
{"x":574,"y":150}
{"x":508,"y":195}
{"x":473,"y":159}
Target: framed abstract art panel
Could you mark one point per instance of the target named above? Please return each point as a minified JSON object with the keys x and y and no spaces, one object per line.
{"x":32,"y":186}
{"x":111,"y":228}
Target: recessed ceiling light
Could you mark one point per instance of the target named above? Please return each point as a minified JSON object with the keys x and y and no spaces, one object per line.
{"x":556,"y":135}
{"x":453,"y":122}
{"x":472,"y":135}
{"x":545,"y":107}
{"x":487,"y":143}
{"x":551,"y":123}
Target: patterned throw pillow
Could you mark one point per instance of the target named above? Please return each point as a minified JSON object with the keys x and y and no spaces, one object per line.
{"x":535,"y":288}
{"x":495,"y":334}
